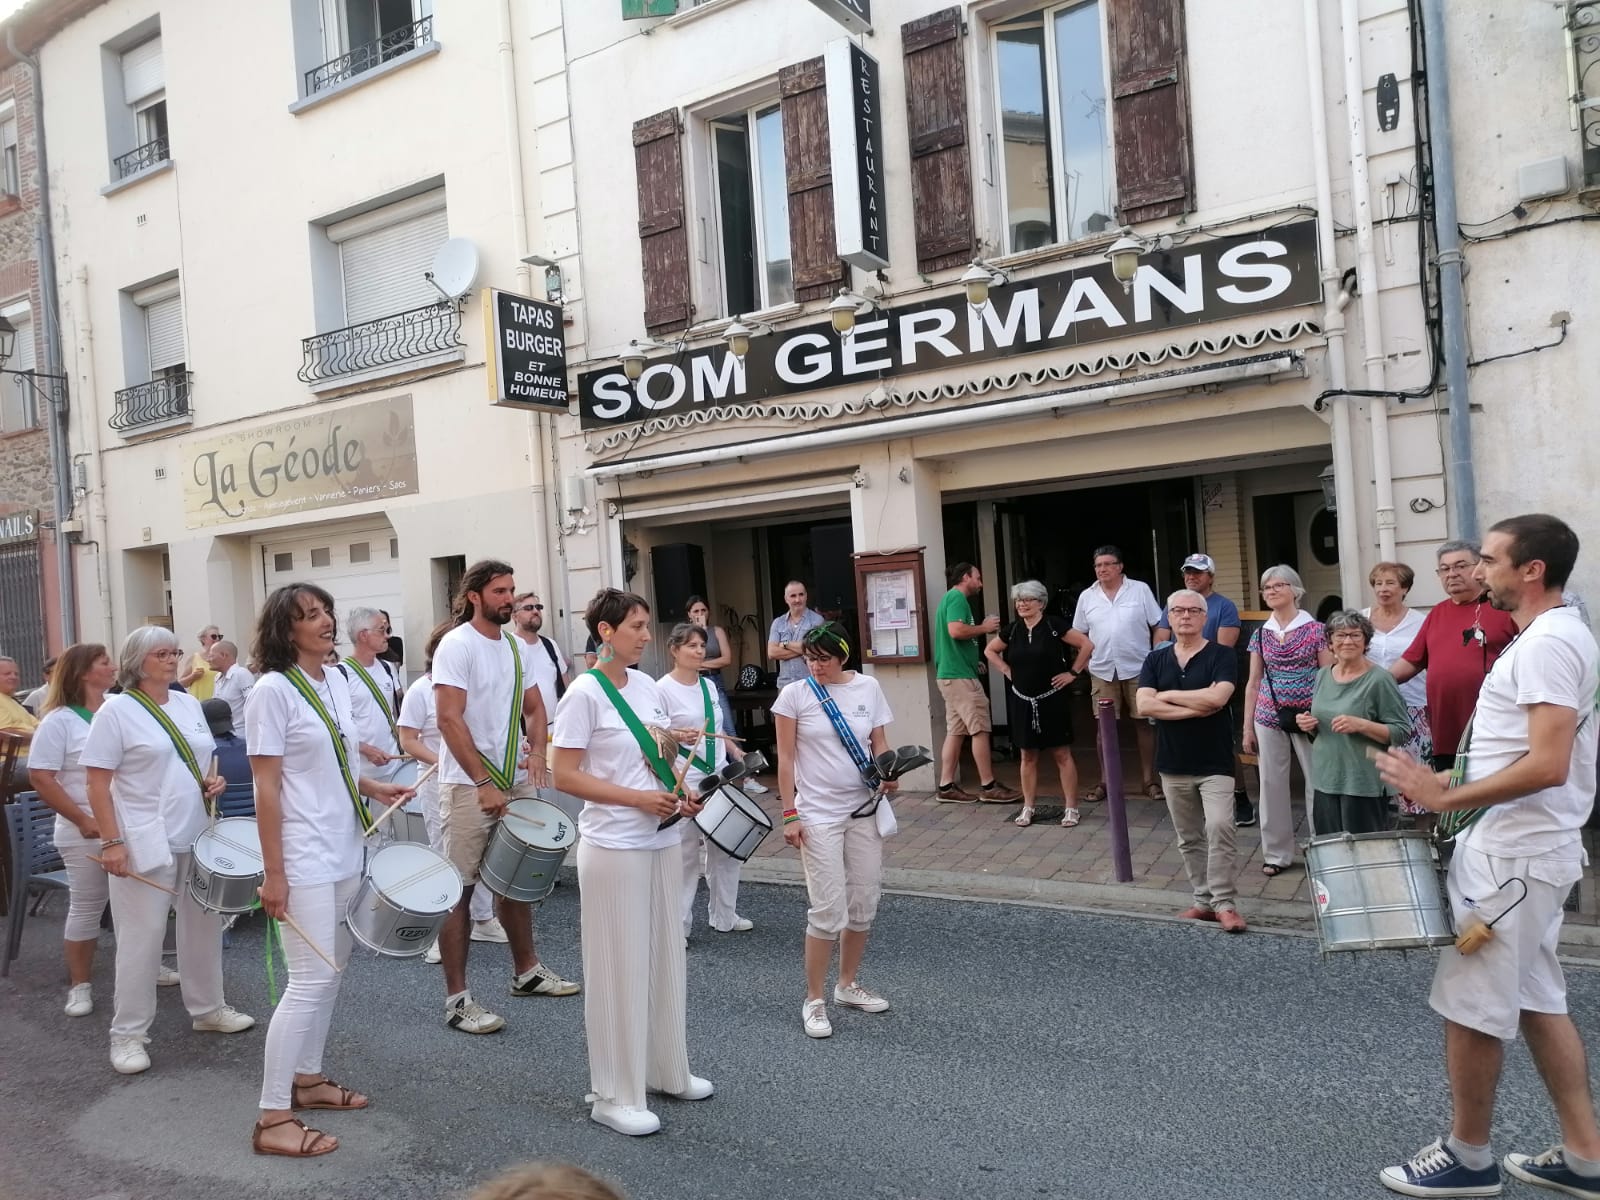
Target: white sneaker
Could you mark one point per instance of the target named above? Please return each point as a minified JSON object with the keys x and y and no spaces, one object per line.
{"x":698,"y":1089}
{"x":168,"y":976}
{"x":489,"y":931}
{"x":80,"y":1000}
{"x":740,"y":925}
{"x":635,"y":1122}
{"x":226,"y":1019}
{"x":854,"y":996}
{"x":128,"y":1055}
{"x":432,"y":956}
{"x":755,"y":787}
{"x":815,"y":1016}
{"x":467,"y":1015}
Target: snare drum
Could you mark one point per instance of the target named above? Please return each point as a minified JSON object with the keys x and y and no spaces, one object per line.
{"x":226,"y":866}
{"x":733,"y":822}
{"x":1378,"y":891}
{"x":526,"y":849}
{"x":408,"y":824}
{"x":407,"y":893}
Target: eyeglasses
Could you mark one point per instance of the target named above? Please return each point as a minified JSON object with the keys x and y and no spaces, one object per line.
{"x":1454,"y":568}
{"x":1029,"y":600}
{"x":1274,"y":587}
{"x":1187,"y":612}
{"x":531,"y":608}
{"x":1347,"y":635}
{"x":167,"y":654}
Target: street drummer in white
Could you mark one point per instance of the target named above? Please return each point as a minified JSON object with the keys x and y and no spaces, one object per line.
{"x":373,"y":688}
{"x":1528,"y":786}
{"x":688,"y":698}
{"x":302,"y":741}
{"x":482,"y":720}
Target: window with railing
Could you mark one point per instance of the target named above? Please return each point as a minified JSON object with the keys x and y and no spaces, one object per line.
{"x":144,"y":90}
{"x":158,"y":404}
{"x":367,"y":34}
{"x":432,"y":331}
{"x":1583,"y":43}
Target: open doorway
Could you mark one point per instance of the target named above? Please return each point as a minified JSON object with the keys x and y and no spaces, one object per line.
{"x":1296,"y":529}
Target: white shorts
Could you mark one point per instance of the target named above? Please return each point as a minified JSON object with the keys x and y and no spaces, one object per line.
{"x":1517,"y":970}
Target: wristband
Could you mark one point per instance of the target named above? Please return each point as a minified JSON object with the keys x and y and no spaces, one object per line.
{"x":107,"y":843}
{"x":484,"y":782}
{"x":790,"y":816}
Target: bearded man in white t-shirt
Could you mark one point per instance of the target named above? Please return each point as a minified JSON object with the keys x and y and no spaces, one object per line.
{"x":483,"y":767}
{"x":1525,"y":792}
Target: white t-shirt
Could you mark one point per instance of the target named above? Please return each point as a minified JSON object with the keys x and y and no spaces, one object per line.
{"x":57,"y":745}
{"x":234,"y":685}
{"x":544,"y":671}
{"x":157,"y":801}
{"x":372,"y":717}
{"x":1553,"y":661}
{"x":686,"y":707}
{"x":828,"y":785}
{"x":1386,"y":649}
{"x":1118,"y":626}
{"x":589,"y":722}
{"x":418,"y":711}
{"x":321,"y":836}
{"x":482,"y":668}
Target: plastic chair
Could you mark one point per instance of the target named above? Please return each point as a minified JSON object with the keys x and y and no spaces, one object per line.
{"x":34,"y":863}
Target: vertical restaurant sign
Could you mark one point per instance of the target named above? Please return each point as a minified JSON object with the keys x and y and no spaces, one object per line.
{"x":319,"y":460}
{"x":528,"y":355}
{"x":855,"y":153}
{"x":854,"y":15}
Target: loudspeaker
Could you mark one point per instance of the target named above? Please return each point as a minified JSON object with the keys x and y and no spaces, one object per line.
{"x":679,"y":571}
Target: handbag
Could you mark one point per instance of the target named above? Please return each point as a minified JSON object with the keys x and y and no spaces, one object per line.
{"x":1286,"y":713}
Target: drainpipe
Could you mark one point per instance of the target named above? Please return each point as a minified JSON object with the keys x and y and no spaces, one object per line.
{"x":1367,"y":276}
{"x":1463,"y":512}
{"x":95,"y":496}
{"x":44,"y":250}
{"x":1344,"y":469}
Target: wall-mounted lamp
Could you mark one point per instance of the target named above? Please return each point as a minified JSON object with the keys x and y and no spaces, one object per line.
{"x":635,"y":358}
{"x":979,"y":278}
{"x":846,"y":307}
{"x":554,"y":286}
{"x":1124,"y":255}
{"x":738,"y":335}
{"x":1349,"y":288}
{"x":1330,"y":492}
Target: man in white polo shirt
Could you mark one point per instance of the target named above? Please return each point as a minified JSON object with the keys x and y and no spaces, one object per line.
{"x":1119,"y":615}
{"x":233,"y":682}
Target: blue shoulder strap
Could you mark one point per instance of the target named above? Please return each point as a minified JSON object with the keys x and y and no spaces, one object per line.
{"x":846,"y":734}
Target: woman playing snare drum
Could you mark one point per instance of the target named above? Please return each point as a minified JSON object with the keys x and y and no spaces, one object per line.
{"x":822,"y":789}
{"x":147,"y":758}
{"x":692,"y":704}
{"x":303,"y":751}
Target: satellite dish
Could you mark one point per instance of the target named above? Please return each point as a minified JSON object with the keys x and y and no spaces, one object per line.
{"x":455,"y":268}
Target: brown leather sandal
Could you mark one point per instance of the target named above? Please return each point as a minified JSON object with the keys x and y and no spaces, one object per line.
{"x":345,"y":1096}
{"x":310,"y":1140}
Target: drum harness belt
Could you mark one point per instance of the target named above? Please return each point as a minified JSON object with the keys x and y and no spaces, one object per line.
{"x":297,"y":678}
{"x":377,"y":696}
{"x":505,"y":774}
{"x":706,"y":764}
{"x":179,"y":742}
{"x":869,"y":773}
{"x":647,"y":744}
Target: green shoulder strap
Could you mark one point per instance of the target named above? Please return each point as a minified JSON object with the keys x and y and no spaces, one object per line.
{"x":377,"y":696}
{"x":647,"y":744}
{"x":308,"y":693}
{"x":179,"y":742}
{"x":504,"y":773}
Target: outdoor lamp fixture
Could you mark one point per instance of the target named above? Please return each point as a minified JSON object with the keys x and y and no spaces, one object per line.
{"x":738,"y":335}
{"x":1124,"y":255}
{"x":1330,"y":494}
{"x":635,"y":358}
{"x":554,"y":288}
{"x":8,"y":340}
{"x":979,"y":278}
{"x":846,"y":307}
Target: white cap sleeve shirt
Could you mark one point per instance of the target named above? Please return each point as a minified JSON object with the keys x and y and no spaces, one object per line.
{"x":483,"y":668}
{"x":827,"y":783}
{"x":57,"y":745}
{"x":588,"y":721}
{"x":155,"y":795}
{"x":321,"y":835}
{"x":418,"y":711}
{"x":686,"y":709}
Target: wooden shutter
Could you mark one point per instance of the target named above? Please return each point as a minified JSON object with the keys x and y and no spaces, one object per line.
{"x":813,"y":246}
{"x":663,"y":232}
{"x":143,"y":73}
{"x":936,"y":118}
{"x":384,"y":269}
{"x":1150,"y":109}
{"x":163,"y":323}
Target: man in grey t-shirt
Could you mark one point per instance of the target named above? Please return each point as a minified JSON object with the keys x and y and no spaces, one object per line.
{"x":786,"y":638}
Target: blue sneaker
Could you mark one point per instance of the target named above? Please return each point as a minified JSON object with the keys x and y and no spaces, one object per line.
{"x":1550,"y":1170}
{"x":1436,"y":1171}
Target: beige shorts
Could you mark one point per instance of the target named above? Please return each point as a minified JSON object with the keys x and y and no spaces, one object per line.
{"x":966,"y":707}
{"x":1123,"y":694}
{"x":843,"y":861}
{"x":1517,"y":971}
{"x":464,"y":827}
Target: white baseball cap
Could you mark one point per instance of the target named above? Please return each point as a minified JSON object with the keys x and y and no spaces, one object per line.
{"x":1199,"y":562}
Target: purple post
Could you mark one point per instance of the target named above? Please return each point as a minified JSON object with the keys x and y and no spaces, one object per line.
{"x":1111,"y":775}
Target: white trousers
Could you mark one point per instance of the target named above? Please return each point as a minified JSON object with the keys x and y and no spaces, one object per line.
{"x":843,"y":861}
{"x":140,"y":912}
{"x":1277,"y":804}
{"x":702,"y":856}
{"x":299,"y":1028}
{"x":634,"y":990}
{"x":481,"y":906}
{"x":87,"y":891}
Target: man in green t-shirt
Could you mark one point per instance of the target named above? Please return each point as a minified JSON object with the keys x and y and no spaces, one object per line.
{"x":966,"y":703}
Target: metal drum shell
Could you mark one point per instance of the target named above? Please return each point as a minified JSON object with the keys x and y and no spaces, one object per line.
{"x":733,"y":822}
{"x":1378,"y":891}
{"x":224,"y":878}
{"x":392,"y":928}
{"x":407,"y":825}
{"x":520,"y":862}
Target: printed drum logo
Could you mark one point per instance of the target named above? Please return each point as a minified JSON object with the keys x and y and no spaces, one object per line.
{"x":1322,"y":896}
{"x":413,"y":933}
{"x":225,"y":863}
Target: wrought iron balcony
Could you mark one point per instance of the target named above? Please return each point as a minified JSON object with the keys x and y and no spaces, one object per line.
{"x":142,"y":158}
{"x":1583,"y":35}
{"x":386,"y":342}
{"x":159,"y":403}
{"x":370,"y":54}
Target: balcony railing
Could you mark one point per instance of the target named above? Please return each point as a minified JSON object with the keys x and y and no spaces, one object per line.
{"x":1583,"y":34}
{"x":161,"y":402}
{"x":142,"y":158}
{"x":370,"y":54}
{"x":386,"y":342}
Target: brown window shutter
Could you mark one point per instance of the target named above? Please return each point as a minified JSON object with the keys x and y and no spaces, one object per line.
{"x":663,"y":232}
{"x":813,"y":247}
{"x":1150,"y":109}
{"x":936,"y":116}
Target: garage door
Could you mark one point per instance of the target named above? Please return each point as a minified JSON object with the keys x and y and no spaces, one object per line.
{"x":358,"y":565}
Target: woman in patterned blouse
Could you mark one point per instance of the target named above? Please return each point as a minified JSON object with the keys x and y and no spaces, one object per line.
{"x":1285,"y":655}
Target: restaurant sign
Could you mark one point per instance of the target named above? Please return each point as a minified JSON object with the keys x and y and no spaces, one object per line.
{"x":1202,"y":280}
{"x":319,"y":460}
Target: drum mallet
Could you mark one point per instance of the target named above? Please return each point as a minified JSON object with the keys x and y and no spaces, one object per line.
{"x":1478,"y":933}
{"x":396,"y":807}
{"x":160,"y":887}
{"x":307,"y":939}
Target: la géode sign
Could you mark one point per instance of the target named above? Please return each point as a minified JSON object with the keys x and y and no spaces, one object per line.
{"x":1204,"y":280}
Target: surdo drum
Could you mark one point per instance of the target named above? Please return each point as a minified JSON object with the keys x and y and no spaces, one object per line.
{"x":733,"y":822}
{"x":408,"y":824}
{"x":1377,"y":891}
{"x":526,"y":849}
{"x":407,"y":893}
{"x":226,"y":866}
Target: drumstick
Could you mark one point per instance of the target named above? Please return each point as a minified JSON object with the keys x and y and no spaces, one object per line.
{"x":395,"y":807}
{"x":161,"y":887}
{"x":305,"y":937}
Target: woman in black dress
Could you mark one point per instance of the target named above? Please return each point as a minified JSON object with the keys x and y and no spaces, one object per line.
{"x":1038,"y":654}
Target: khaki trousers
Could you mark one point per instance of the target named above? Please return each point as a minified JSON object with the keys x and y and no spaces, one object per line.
{"x":1202,"y":814}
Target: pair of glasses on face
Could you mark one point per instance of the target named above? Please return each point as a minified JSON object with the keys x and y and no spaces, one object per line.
{"x":167,"y":655}
{"x":1187,"y":612}
{"x":531,"y":608}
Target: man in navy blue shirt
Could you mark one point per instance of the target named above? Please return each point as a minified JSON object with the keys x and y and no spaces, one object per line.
{"x":233,"y":763}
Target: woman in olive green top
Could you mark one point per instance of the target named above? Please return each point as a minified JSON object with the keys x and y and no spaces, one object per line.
{"x":1356,"y":706}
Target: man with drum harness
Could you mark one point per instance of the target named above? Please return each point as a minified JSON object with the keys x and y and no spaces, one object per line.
{"x":373,"y":691}
{"x":486,"y":697}
{"x":1515,"y":803}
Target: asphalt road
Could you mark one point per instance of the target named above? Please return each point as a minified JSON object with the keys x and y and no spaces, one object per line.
{"x":1029,"y":1052}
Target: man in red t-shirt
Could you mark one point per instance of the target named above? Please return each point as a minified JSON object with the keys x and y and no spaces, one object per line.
{"x":1459,"y":640}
